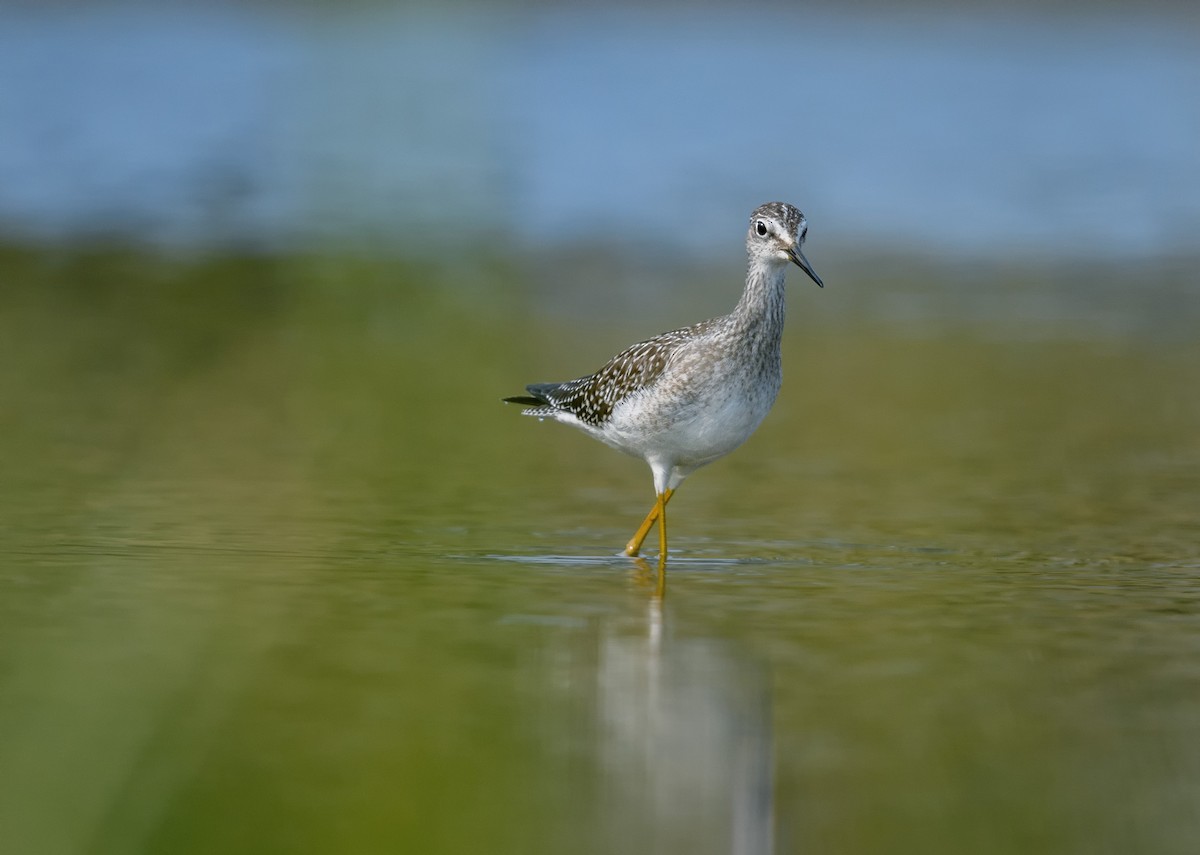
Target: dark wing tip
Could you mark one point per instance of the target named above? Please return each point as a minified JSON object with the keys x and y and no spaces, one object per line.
{"x":527,"y":400}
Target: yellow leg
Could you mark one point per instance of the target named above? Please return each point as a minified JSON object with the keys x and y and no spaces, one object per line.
{"x":662,"y":529}
{"x":635,"y":543}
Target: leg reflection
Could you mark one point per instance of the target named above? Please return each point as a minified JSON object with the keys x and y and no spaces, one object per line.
{"x":653,"y":578}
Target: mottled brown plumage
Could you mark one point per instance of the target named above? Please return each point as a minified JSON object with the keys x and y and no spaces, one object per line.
{"x":592,"y":398}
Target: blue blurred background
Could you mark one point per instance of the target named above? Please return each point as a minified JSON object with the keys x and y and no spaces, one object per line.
{"x":979,"y":130}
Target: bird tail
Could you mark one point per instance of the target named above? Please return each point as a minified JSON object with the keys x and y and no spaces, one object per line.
{"x":540,"y":395}
{"x":540,"y":400}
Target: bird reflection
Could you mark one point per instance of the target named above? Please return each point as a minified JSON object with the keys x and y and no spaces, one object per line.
{"x":684,"y":727}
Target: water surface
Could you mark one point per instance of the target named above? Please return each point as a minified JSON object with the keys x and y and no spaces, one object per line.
{"x":280,"y":573}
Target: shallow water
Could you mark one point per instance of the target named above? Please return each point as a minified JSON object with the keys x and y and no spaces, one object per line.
{"x":280,"y":573}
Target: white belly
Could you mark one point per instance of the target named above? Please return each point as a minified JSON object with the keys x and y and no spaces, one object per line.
{"x":699,"y":429}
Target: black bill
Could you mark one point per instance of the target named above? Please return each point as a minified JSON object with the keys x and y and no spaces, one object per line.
{"x":798,"y":257}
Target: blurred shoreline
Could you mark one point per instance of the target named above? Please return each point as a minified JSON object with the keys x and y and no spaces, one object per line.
{"x":600,"y":288}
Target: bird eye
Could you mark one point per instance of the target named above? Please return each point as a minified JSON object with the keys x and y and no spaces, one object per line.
{"x":761,"y":228}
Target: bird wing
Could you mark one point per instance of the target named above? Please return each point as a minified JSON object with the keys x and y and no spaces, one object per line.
{"x":591,"y":399}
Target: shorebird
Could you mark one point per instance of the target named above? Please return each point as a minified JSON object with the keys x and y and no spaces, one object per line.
{"x":690,"y":396}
